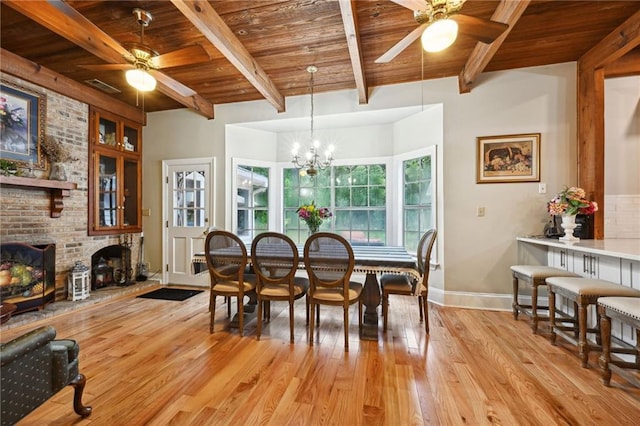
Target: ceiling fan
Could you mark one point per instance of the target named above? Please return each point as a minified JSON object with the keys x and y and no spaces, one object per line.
{"x":439,"y":23}
{"x":143,"y":60}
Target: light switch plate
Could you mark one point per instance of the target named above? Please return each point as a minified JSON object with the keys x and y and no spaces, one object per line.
{"x":542,"y":188}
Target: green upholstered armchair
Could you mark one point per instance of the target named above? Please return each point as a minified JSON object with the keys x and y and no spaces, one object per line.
{"x":34,"y":367}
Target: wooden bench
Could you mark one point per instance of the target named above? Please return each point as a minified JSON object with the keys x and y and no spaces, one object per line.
{"x":627,"y":311}
{"x":534,"y":276}
{"x":583,"y":292}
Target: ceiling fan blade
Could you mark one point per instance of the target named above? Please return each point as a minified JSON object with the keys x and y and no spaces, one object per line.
{"x":173,"y":84}
{"x":106,"y":67}
{"x":481,"y":29}
{"x":185,"y":56}
{"x":411,"y":4}
{"x":401,"y":45}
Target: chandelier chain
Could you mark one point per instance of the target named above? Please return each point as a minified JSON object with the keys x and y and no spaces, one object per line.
{"x":311,"y":163}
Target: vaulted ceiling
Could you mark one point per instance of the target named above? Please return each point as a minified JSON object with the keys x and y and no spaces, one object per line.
{"x":249,"y":50}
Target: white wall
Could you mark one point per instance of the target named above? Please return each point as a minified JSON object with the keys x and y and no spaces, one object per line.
{"x":622,"y":153}
{"x":477,"y":251}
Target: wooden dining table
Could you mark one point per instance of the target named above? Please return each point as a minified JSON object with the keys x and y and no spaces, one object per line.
{"x":370,"y":260}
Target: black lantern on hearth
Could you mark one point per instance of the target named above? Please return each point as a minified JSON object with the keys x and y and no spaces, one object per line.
{"x":102,"y":274}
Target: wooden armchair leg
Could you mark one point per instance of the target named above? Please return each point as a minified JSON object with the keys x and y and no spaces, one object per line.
{"x":78,"y":387}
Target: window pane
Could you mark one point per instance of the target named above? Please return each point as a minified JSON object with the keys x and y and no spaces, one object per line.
{"x":378,"y":220}
{"x":360,"y":175}
{"x":378,"y":196}
{"x":360,"y":197}
{"x":343,"y":197}
{"x":377,"y":175}
{"x":411,"y":220}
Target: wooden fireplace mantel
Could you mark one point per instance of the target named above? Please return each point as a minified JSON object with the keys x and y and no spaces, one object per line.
{"x":57,"y":189}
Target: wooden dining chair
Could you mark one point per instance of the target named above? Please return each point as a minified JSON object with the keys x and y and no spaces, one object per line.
{"x":275,"y":259}
{"x":329,"y":261}
{"x":405,"y":286}
{"x":226,"y":257}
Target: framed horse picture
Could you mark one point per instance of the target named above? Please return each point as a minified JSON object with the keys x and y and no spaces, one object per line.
{"x":508,"y":158}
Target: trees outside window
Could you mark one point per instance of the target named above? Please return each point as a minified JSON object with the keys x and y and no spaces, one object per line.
{"x":356,"y":194}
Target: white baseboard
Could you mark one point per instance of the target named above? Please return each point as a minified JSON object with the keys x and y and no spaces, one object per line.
{"x":459,"y":299}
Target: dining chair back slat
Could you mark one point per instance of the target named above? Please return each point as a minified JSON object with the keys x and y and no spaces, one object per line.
{"x":275,"y":259}
{"x":226,"y":257}
{"x":329,"y":261}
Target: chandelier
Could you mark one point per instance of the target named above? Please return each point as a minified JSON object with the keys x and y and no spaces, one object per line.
{"x":310,"y":163}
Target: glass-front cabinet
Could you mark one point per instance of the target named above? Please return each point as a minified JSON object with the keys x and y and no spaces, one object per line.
{"x":115,"y":189}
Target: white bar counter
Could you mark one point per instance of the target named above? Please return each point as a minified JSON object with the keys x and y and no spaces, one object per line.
{"x":622,"y":248}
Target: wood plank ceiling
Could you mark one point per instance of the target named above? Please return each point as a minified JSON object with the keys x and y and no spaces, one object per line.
{"x":261,"y":49}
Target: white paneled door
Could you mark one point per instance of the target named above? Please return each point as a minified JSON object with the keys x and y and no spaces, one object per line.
{"x":188,"y":195}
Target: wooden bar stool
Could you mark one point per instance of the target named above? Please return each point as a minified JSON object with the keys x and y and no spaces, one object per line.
{"x":582,"y":292}
{"x":627,"y":311}
{"x":534,"y":276}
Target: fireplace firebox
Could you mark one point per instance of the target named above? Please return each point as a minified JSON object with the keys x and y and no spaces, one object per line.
{"x":111,"y":266}
{"x":27,"y":275}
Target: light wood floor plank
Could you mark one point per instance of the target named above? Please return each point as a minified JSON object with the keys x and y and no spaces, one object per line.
{"x":154,"y":362}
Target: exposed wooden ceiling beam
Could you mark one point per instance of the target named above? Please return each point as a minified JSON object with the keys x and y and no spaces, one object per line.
{"x":508,"y":12}
{"x":347,"y":8}
{"x":67,"y":22}
{"x":628,"y":65}
{"x":210,"y":24}
{"x":614,"y":46}
{"x":42,"y":76}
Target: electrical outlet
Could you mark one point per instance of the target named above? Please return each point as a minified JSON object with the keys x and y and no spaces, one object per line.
{"x":542,"y":188}
{"x":480,"y":211}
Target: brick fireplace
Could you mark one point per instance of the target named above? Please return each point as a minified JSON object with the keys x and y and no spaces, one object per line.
{"x":25,"y":212}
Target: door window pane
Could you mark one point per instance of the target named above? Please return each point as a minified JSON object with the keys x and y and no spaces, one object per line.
{"x":189,"y":199}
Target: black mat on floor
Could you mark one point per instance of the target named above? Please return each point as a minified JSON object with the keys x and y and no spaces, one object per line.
{"x":170,"y":294}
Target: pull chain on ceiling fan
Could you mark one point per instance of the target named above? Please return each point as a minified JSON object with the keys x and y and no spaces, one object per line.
{"x":139,"y":77}
{"x":439,"y":23}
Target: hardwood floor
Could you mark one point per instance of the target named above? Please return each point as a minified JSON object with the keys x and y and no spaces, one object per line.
{"x":154,"y":362}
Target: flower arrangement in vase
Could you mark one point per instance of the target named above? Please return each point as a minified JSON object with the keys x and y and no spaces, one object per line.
{"x":568,"y":203}
{"x":313,"y":216}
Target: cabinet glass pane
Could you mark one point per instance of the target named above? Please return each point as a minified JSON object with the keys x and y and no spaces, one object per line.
{"x":130,"y":193}
{"x":189,"y":199}
{"x":130,"y":139}
{"x":108,"y":191}
{"x":107,"y":130}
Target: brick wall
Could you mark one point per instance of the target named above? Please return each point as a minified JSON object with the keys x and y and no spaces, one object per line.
{"x":25,"y":213}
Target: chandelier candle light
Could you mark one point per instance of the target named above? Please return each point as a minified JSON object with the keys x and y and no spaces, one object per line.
{"x":568,"y":203}
{"x":311,"y":162}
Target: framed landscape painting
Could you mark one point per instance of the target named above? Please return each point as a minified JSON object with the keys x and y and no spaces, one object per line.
{"x":508,"y":158}
{"x":22,"y":125}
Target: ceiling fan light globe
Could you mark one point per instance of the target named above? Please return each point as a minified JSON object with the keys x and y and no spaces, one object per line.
{"x":140,"y":80}
{"x":439,"y":35}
